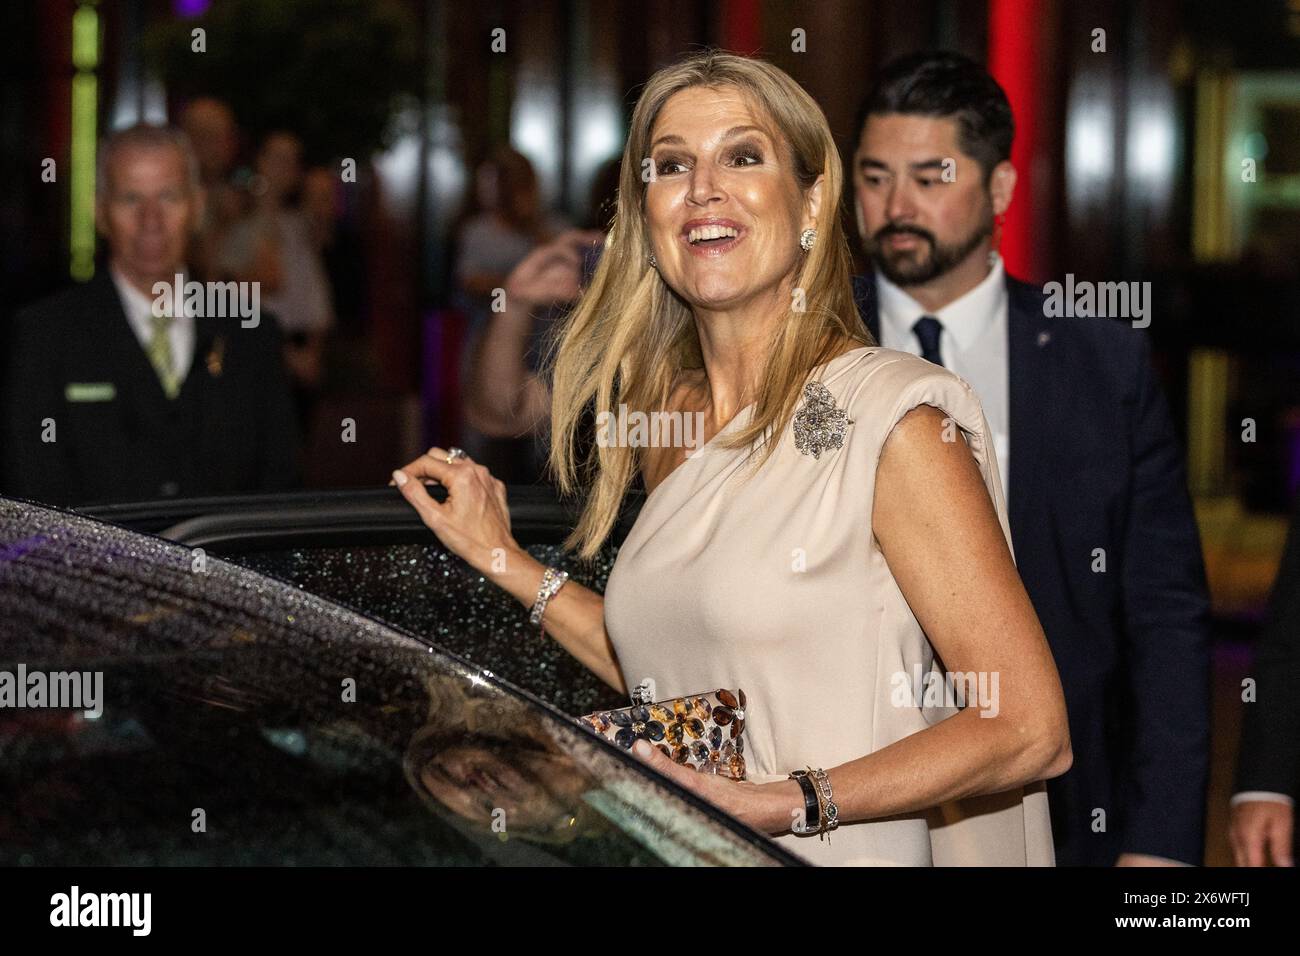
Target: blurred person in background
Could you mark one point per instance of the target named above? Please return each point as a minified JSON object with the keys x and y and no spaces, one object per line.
{"x":214,"y":136}
{"x":1262,"y":815}
{"x":272,"y":245}
{"x":505,"y":222}
{"x":104,"y":400}
{"x":338,"y":246}
{"x":504,"y":393}
{"x":1088,"y":454}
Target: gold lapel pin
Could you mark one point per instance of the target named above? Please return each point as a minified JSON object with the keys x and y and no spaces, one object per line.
{"x":216,"y":355}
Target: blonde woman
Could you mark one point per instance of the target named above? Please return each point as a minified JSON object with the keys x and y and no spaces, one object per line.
{"x":836,"y":542}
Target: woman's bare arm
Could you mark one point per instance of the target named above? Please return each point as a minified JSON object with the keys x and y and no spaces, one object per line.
{"x":474,"y":523}
{"x":940,"y":535}
{"x":503,"y":397}
{"x":575,"y":616}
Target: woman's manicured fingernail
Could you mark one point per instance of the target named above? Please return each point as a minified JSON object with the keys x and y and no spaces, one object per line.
{"x":399,"y":477}
{"x":642,"y":748}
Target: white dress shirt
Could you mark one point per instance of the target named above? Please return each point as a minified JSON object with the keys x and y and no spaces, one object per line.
{"x":139,"y":312}
{"x":973,"y":344}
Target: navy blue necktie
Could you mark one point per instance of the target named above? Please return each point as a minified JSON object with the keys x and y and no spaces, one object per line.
{"x":928,"y":330}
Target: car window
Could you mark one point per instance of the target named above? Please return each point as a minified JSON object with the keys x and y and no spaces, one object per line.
{"x":426,"y":590}
{"x":244,"y":721}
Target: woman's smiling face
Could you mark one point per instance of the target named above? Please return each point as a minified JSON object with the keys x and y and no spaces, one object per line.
{"x":723,"y":208}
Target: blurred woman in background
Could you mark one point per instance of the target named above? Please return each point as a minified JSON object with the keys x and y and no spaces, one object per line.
{"x":273,"y":245}
{"x":506,"y":222}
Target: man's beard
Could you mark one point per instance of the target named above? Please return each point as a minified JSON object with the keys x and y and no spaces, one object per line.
{"x":912,"y":267}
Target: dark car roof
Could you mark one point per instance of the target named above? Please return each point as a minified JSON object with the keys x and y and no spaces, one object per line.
{"x":245,"y":721}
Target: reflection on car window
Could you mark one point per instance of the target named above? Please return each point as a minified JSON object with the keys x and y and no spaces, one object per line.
{"x":551,"y":784}
{"x":248,"y":722}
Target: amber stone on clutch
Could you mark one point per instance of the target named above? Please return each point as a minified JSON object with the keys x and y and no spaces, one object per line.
{"x":731,"y":712}
{"x":685,"y":721}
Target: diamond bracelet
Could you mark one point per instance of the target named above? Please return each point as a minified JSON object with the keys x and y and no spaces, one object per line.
{"x":831,"y":813}
{"x":552,"y":580}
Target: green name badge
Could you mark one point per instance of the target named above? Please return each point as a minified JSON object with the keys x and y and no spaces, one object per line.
{"x":90,"y":392}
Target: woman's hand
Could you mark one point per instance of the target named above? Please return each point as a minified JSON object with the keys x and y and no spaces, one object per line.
{"x":552,"y":273}
{"x":767,"y":807}
{"x":503,"y":398}
{"x":474,"y":524}
{"x":474,"y":521}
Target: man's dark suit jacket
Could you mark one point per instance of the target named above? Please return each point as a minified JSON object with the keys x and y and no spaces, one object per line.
{"x":1095,"y":464}
{"x":1270,"y":733}
{"x":74,"y":358}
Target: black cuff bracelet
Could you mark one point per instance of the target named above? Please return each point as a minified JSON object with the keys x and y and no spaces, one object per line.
{"x":812,"y":807}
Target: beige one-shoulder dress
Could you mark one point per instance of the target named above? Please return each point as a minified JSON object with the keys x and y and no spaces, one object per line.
{"x":776,"y":585}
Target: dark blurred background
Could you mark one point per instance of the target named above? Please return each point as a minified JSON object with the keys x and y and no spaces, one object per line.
{"x":467,"y":154}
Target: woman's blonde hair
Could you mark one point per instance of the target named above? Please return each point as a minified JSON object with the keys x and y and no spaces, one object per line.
{"x":630,"y":336}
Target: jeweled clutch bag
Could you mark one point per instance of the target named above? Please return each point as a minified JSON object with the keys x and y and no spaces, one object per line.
{"x":702,"y":731}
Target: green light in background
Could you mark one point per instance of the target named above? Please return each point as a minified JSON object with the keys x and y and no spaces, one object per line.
{"x":85,"y":39}
{"x":85,"y":109}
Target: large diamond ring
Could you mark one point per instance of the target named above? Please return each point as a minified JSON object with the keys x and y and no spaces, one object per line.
{"x":453,"y":453}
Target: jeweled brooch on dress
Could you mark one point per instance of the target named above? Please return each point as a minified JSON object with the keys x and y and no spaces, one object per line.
{"x":819,"y":425}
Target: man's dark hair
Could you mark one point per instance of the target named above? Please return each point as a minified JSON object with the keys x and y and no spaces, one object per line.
{"x":949,"y":85}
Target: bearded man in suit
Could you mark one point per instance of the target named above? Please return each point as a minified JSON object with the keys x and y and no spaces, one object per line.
{"x":1101,"y":521}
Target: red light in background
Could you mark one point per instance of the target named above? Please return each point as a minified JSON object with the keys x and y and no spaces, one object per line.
{"x":1013,"y":61}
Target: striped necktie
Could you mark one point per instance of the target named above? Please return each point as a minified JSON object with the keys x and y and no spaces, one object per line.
{"x":160,"y":354}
